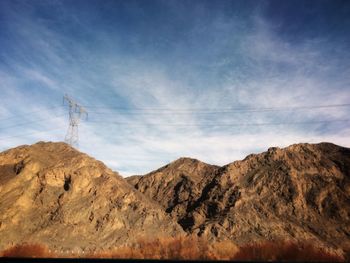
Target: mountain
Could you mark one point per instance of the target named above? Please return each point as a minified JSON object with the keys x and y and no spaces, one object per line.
{"x":301,"y":192}
{"x":176,"y":186}
{"x":53,"y":194}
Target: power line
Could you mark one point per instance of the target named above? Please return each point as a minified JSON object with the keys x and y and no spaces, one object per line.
{"x":30,"y":112}
{"x":222,"y":110}
{"x":30,"y":122}
{"x":76,"y":111}
{"x":188,"y":125}
{"x":222,"y":124}
{"x":138,"y":111}
{"x":27,"y":134}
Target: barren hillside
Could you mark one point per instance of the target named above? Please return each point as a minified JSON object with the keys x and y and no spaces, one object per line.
{"x":52,"y":194}
{"x":177,"y":185}
{"x":299,"y":192}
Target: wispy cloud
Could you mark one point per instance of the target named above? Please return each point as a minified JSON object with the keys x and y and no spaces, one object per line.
{"x":151,"y":93}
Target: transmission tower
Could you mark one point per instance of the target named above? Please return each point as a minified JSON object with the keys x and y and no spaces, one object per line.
{"x":76,"y":112}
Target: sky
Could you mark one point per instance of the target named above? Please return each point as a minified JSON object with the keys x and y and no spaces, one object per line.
{"x":212,"y":80}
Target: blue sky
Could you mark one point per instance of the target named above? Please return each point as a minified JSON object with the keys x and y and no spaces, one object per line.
{"x":166,"y":79}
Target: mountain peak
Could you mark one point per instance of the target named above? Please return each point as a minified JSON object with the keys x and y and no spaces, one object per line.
{"x":185,"y":161}
{"x":184,"y":166}
{"x":56,"y":195}
{"x":297,"y":192}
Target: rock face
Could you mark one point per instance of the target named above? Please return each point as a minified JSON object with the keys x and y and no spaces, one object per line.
{"x":296,"y":193}
{"x":52,"y":194}
{"x":177,"y":186}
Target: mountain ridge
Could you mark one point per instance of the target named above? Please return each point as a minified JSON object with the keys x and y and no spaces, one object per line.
{"x":297,"y":192}
{"x":53,"y":194}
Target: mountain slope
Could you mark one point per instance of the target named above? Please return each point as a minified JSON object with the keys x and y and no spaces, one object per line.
{"x":299,"y":192}
{"x":52,"y":194}
{"x":177,"y":185}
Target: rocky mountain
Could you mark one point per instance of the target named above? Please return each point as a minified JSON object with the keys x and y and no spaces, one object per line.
{"x":301,"y":192}
{"x":177,"y":185}
{"x":52,"y":194}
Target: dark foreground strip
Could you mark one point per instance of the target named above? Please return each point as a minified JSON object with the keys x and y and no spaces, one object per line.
{"x":93,"y":260}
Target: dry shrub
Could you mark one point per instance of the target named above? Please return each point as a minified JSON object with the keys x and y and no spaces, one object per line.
{"x":224,"y":250}
{"x":185,"y":248}
{"x":192,"y":248}
{"x":27,"y":250}
{"x":277,"y":251}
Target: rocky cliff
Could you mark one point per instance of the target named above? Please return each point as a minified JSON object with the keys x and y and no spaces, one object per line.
{"x":52,"y":194}
{"x":301,"y":192}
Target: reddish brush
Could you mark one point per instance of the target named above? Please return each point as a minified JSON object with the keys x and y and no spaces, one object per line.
{"x":185,"y":248}
{"x":164,"y":248}
{"x":194,"y":248}
{"x":27,"y":250}
{"x":277,"y":251}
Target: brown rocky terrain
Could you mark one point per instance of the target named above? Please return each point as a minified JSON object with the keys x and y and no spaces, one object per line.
{"x":54,"y":195}
{"x":177,"y":185}
{"x":301,"y":192}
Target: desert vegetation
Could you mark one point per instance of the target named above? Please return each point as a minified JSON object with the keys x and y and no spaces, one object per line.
{"x":173,"y":248}
{"x":281,"y":251}
{"x":191,"y":248}
{"x":28,"y":250}
{"x":282,"y":194}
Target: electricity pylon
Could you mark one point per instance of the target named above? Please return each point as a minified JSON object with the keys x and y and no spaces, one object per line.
{"x":76,"y":112}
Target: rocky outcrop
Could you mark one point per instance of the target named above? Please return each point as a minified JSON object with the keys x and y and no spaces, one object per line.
{"x":52,"y":194}
{"x":301,"y":192}
{"x":176,"y":186}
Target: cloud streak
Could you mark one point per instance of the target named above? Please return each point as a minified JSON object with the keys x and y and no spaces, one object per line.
{"x":152,"y":94}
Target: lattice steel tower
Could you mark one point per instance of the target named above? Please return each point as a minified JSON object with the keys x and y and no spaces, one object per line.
{"x":76,"y":112}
